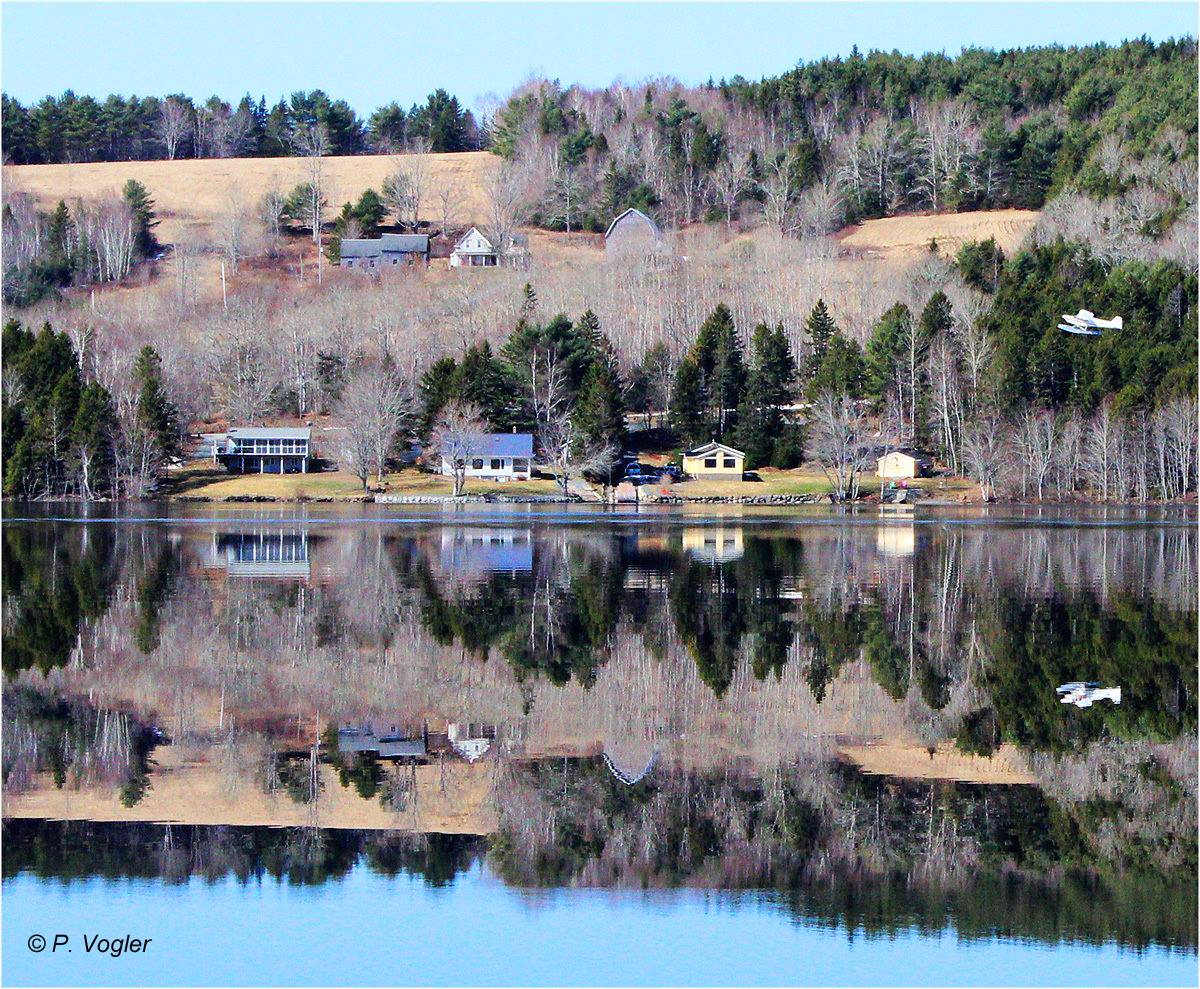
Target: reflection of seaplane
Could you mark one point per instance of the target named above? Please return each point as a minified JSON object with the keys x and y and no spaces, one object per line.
{"x":1087,"y":324}
{"x":1086,"y":694}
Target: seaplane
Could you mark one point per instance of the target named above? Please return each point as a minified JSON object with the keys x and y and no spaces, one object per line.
{"x":1086,"y":694}
{"x":1088,"y":324}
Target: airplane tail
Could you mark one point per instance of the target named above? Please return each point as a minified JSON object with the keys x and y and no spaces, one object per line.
{"x":1118,"y":323}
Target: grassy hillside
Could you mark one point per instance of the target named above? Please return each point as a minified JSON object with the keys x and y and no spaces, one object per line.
{"x":190,"y":194}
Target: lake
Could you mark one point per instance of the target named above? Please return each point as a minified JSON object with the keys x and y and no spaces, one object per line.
{"x":530,"y":745}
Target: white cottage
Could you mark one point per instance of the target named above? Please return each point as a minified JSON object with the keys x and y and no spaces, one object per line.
{"x":492,"y":456}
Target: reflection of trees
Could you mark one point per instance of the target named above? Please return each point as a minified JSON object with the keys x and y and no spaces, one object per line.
{"x":902,"y":852}
{"x":1034,"y":645}
{"x":966,"y":636}
{"x":54,"y":580}
{"x":80,"y":850}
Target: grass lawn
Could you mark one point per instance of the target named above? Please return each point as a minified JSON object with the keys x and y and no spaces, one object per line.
{"x":807,"y":480}
{"x":205,"y":482}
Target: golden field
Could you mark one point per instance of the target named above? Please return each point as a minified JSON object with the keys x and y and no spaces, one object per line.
{"x":909,"y":235}
{"x":190,"y":194}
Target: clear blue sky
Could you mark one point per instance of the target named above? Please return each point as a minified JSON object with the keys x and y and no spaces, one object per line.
{"x":370,"y":53}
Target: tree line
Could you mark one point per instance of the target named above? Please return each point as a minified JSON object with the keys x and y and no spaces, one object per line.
{"x":843,"y":139}
{"x":66,"y":434}
{"x":71,"y":128}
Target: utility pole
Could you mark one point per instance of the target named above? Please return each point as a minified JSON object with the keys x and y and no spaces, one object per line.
{"x":224,"y":296}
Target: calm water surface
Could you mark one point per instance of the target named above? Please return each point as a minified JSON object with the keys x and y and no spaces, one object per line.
{"x":666,"y":713}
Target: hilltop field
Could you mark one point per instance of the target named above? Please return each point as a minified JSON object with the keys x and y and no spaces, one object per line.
{"x":190,"y":195}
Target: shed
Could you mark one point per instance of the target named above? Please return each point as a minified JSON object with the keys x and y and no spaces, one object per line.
{"x":714,"y":461}
{"x":899,"y":465}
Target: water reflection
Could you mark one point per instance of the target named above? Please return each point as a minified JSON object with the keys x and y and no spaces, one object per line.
{"x":646,"y":704}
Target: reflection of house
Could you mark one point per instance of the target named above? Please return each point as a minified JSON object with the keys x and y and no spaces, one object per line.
{"x":474,"y":250}
{"x":471,"y":740}
{"x":714,"y":461}
{"x":263,"y":449}
{"x":384,"y":742}
{"x":903,"y":464}
{"x":896,"y":540}
{"x":266,"y":553}
{"x":495,"y":456}
{"x":713,"y":543}
{"x":386,"y":251}
{"x":475,"y":550}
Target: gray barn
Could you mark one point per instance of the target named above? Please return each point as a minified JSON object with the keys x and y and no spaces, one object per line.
{"x":633,"y":232}
{"x":386,"y":251}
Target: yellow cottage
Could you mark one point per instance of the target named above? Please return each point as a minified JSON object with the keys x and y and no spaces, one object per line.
{"x":714,"y":461}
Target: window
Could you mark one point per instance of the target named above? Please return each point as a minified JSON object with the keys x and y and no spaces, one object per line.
{"x":497,"y":463}
{"x":730,"y":462}
{"x":710,"y":462}
{"x":477,"y":464}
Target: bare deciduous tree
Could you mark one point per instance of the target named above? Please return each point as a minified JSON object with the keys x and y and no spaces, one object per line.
{"x":985,"y":451}
{"x":456,"y":439}
{"x":403,"y":190}
{"x":231,"y":229}
{"x":507,"y":194}
{"x":173,"y":124}
{"x":838,"y":438}
{"x":376,"y":406}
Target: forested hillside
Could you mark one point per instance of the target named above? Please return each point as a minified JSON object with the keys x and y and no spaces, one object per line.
{"x":845,"y":138}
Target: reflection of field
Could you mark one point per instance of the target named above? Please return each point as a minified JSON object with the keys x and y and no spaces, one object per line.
{"x":190,"y":789}
{"x":944,"y":763}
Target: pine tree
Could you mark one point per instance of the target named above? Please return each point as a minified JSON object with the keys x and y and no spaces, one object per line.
{"x":156,"y":413}
{"x":821,"y":328}
{"x":600,"y":411}
{"x":144,"y":219}
{"x":762,"y":428}
{"x":687,"y":404}
{"x":91,"y":438}
{"x":842,"y":372}
{"x":718,"y":355}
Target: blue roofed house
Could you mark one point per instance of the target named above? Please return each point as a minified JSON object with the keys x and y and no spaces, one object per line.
{"x":494,"y":456}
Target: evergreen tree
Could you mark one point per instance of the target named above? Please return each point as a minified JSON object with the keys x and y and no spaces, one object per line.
{"x":821,"y":328}
{"x":718,"y":356}
{"x":600,"y":411}
{"x":144,"y":220}
{"x":687,"y":404}
{"x":843,"y":371}
{"x":763,"y":432}
{"x":156,"y":413}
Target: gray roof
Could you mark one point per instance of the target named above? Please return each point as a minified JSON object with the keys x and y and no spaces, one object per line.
{"x":406,"y":243}
{"x":270,"y":432}
{"x":501,"y":445}
{"x":358,"y":247}
{"x":633,"y":214}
